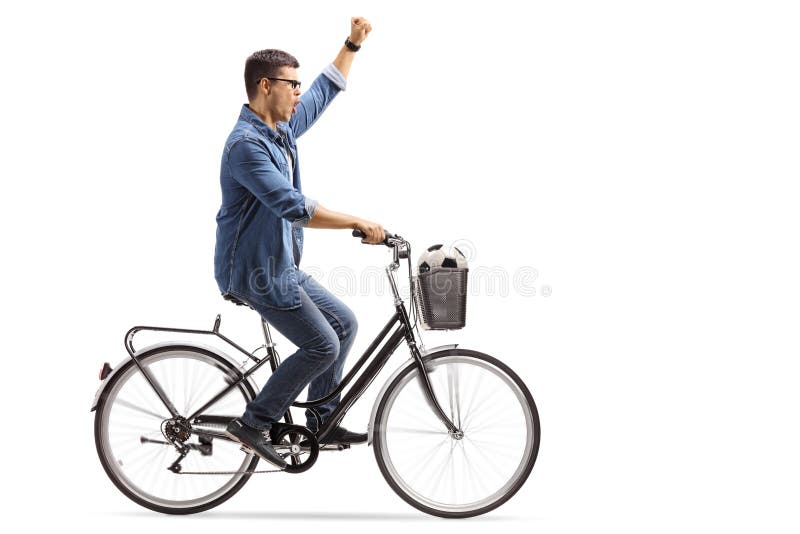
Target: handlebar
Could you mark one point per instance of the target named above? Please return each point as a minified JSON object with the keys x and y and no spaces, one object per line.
{"x":387,"y":237}
{"x":390,"y":240}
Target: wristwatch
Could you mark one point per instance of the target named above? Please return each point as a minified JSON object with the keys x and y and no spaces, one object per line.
{"x":351,"y":45}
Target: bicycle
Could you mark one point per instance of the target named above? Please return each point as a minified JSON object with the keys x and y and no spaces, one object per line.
{"x":455,"y":432}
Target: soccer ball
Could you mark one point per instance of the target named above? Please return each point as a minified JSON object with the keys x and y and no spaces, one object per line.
{"x":440,"y":256}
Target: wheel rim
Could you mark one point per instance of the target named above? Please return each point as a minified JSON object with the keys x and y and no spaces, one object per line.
{"x":131,"y":421}
{"x":441,"y":471}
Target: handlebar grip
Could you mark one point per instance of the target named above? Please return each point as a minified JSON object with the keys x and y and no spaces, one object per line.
{"x":358,"y":233}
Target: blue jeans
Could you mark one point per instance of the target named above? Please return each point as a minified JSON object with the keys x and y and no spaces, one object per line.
{"x":323,"y":329}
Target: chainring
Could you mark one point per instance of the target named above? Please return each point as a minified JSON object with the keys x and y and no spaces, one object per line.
{"x":297,"y":445}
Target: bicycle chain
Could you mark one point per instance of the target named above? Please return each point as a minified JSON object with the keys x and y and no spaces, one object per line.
{"x":229,"y":472}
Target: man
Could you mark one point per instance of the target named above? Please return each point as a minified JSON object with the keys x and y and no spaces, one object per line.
{"x":260,"y":239}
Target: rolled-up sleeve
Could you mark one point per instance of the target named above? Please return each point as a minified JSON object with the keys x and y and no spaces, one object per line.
{"x":311,"y":206}
{"x":333,"y":74}
{"x":251,"y":166}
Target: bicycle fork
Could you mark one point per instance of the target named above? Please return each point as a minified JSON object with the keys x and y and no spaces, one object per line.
{"x":427,"y":387}
{"x":430,"y":395}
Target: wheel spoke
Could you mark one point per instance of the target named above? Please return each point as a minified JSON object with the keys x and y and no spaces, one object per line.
{"x":489,"y":447}
{"x":485,"y":404}
{"x":493,"y":467}
{"x":404,"y":430}
{"x":517,"y":423}
{"x":202,"y":390}
{"x":134,"y":407}
{"x":142,"y":391}
{"x":477,"y":481}
{"x":453,"y":386}
{"x":420,"y":467}
{"x":440,"y":474}
{"x":474,"y":396}
{"x":430,"y":421}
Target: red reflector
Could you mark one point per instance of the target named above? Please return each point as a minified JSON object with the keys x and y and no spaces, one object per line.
{"x":104,"y":371}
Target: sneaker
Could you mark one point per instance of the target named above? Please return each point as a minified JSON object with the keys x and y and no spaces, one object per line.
{"x":258,"y":441}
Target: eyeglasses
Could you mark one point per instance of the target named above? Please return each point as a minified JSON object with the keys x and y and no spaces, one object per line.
{"x":294,"y":83}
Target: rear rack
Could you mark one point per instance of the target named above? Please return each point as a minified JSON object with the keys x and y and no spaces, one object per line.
{"x":213,"y":332}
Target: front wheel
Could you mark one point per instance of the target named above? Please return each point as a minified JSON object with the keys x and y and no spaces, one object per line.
{"x":461,"y":474}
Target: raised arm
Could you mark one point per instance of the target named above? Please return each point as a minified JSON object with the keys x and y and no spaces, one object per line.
{"x":328,"y":84}
{"x":359,"y":29}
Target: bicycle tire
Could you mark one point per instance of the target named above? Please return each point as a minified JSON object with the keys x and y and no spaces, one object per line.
{"x":113,"y":466}
{"x":423,"y":424}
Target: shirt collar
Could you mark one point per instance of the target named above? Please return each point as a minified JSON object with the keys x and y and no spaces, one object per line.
{"x":248,"y":116}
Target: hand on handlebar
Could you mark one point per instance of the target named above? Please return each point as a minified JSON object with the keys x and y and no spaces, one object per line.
{"x":374,"y":232}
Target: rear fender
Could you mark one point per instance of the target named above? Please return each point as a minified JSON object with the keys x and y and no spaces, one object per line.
{"x":128,"y":360}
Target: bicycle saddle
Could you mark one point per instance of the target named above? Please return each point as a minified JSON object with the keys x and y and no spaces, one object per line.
{"x":231,"y":298}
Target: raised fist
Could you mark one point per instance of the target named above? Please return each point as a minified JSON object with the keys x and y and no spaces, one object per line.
{"x":359,"y":29}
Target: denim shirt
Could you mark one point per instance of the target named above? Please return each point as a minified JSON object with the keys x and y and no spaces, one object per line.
{"x":260,"y":223}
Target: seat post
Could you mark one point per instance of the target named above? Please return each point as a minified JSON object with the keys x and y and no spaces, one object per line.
{"x":267,"y":334}
{"x":274,"y":359}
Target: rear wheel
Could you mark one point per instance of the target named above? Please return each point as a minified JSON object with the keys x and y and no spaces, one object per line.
{"x":131,"y":423}
{"x":466,"y":473}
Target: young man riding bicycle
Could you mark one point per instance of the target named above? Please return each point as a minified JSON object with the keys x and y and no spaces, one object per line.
{"x":260,"y":239}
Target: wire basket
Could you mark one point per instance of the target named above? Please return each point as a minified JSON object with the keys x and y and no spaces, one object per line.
{"x":441,"y":298}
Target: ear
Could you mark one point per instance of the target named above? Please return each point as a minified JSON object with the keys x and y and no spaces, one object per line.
{"x":265,"y":85}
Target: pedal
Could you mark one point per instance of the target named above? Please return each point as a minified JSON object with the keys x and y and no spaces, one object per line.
{"x":334,"y":447}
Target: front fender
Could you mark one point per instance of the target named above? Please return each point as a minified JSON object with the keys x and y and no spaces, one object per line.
{"x":399,"y":370}
{"x":120,"y":365}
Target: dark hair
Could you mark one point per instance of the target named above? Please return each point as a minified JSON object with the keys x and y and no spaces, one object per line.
{"x":265,"y":64}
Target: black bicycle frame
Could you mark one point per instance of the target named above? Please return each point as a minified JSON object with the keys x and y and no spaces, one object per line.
{"x":403,"y":330}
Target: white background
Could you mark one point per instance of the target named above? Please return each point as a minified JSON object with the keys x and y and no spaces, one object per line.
{"x":638,"y":155}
